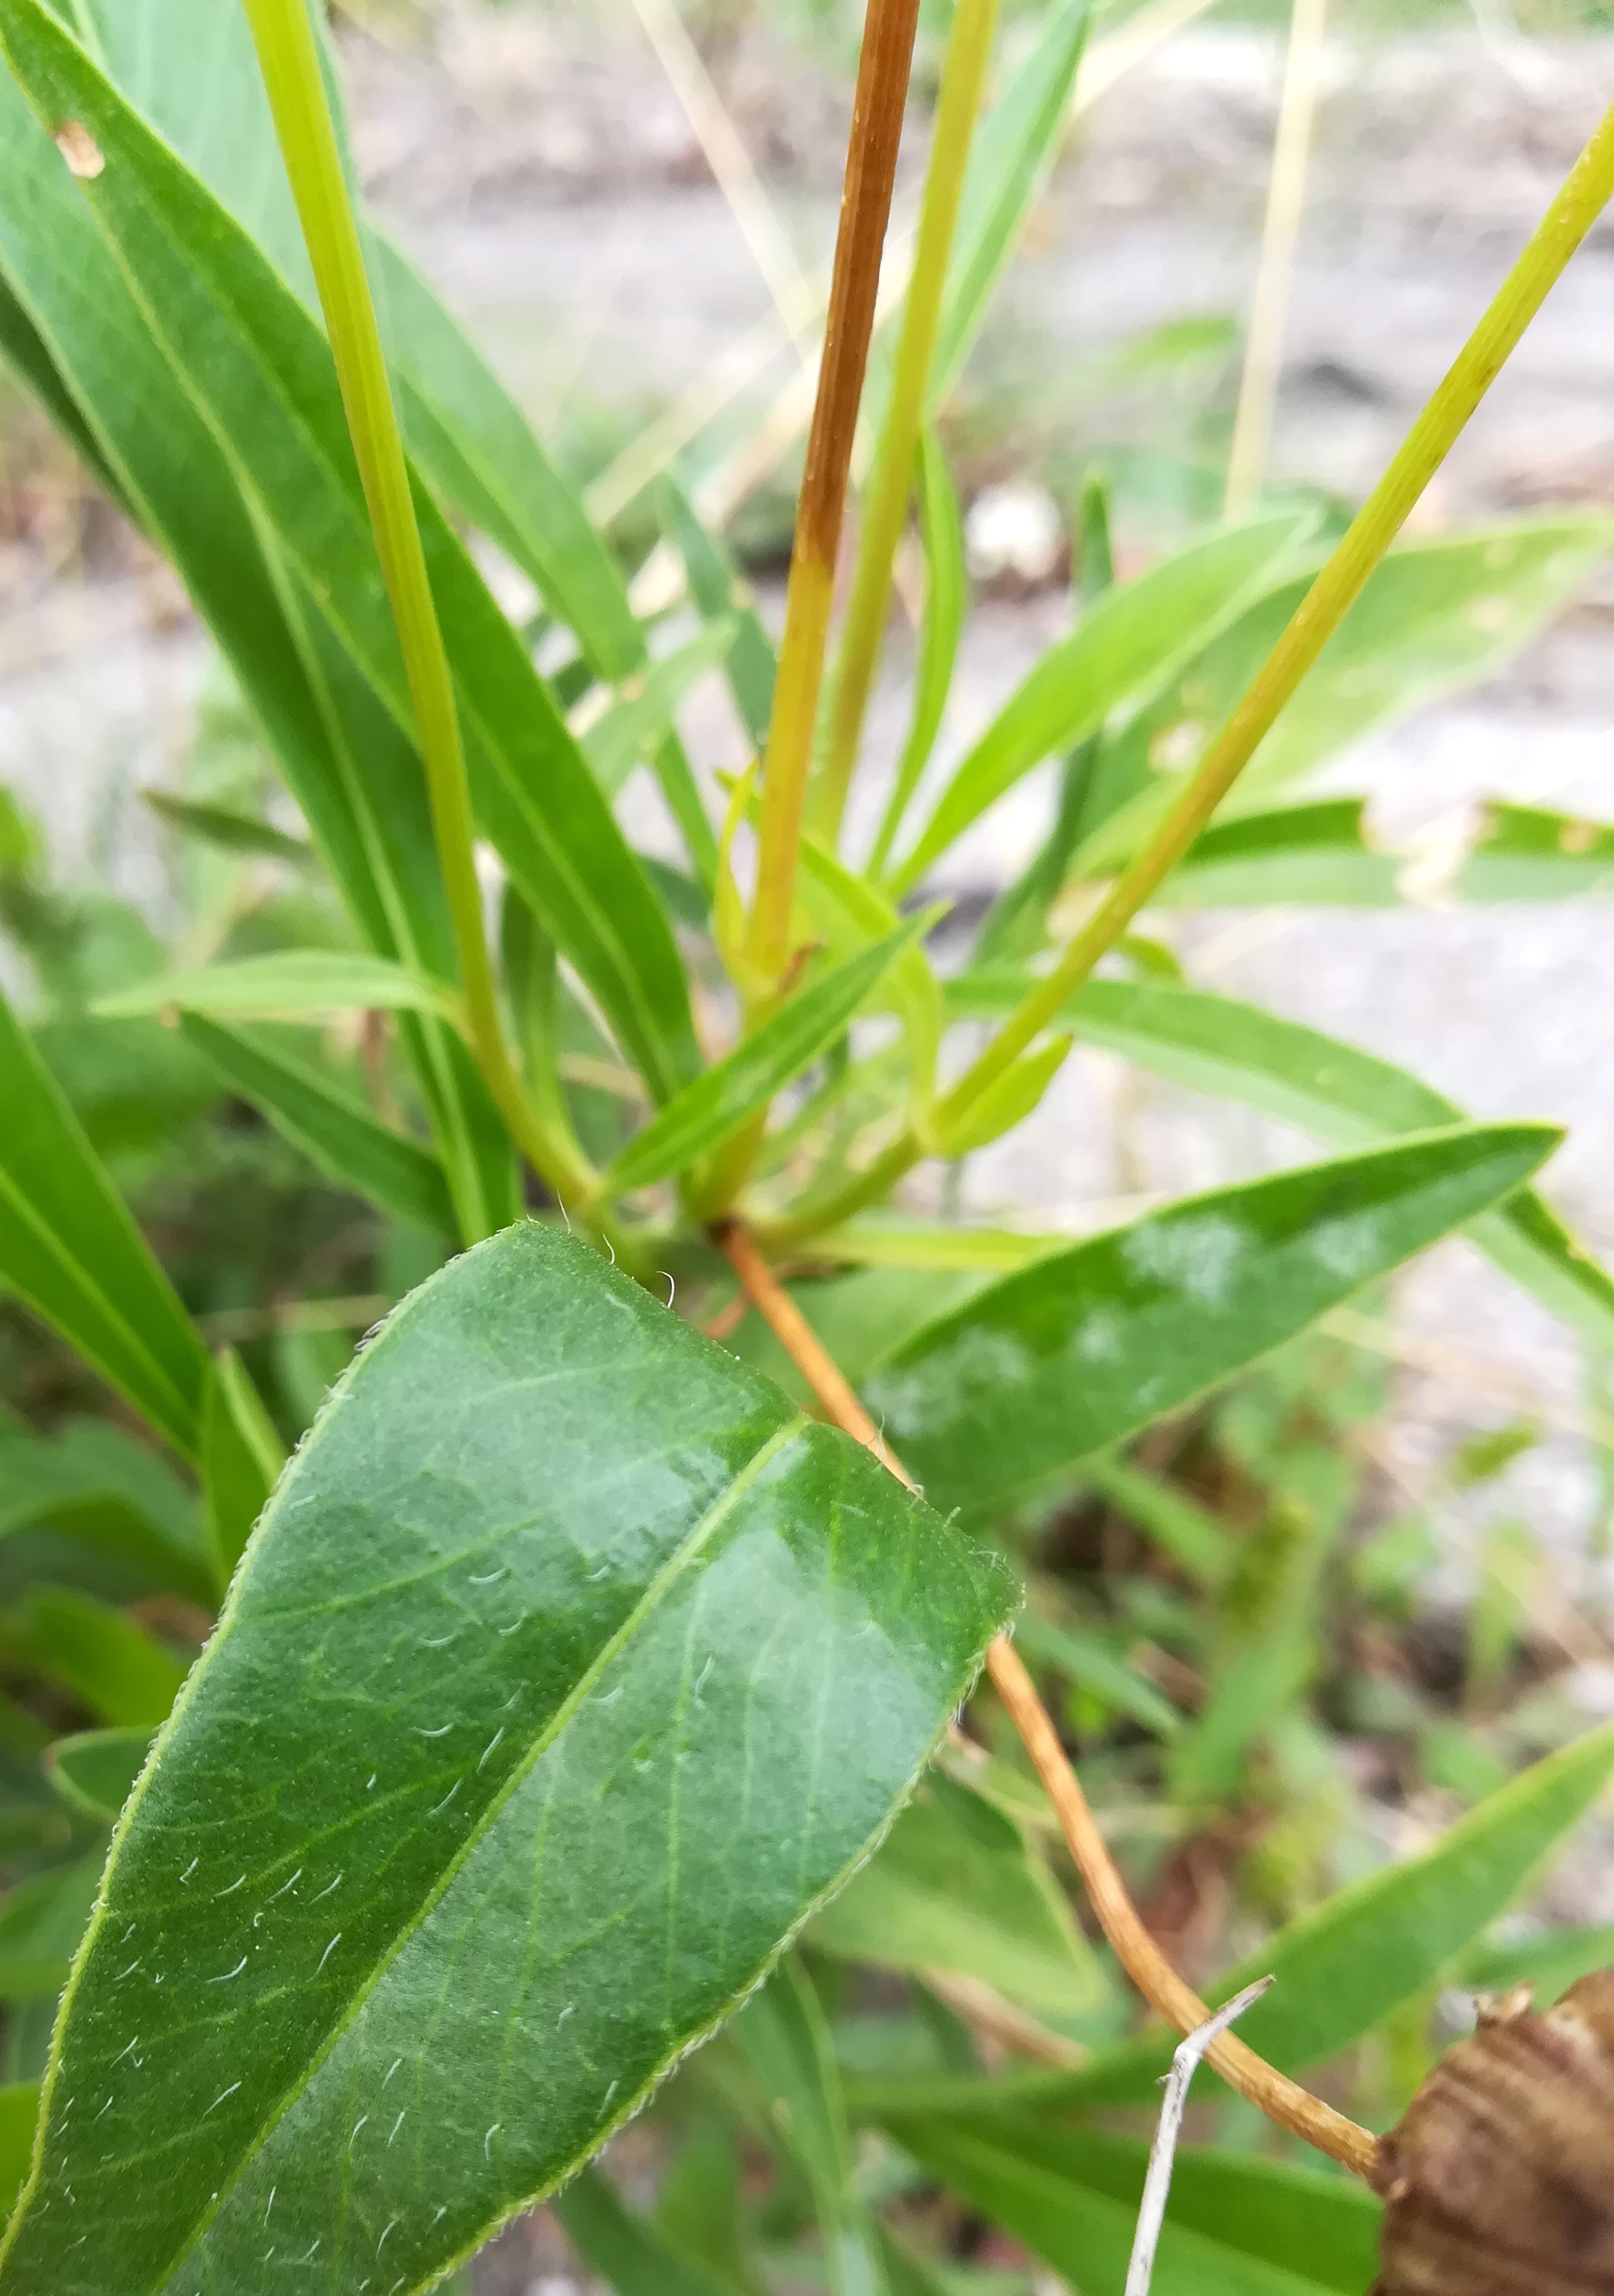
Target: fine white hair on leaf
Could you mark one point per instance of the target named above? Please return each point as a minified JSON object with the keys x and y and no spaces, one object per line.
{"x":1162,"y":2152}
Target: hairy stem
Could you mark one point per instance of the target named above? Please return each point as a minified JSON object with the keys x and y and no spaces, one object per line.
{"x":1282,"y":2100}
{"x":885,"y":506}
{"x":1580,"y":200}
{"x":290,"y":65}
{"x":871,"y":159}
{"x":1285,"y":198}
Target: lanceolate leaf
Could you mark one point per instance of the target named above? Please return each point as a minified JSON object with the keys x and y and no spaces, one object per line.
{"x":1235,"y":2225}
{"x":358,"y":781}
{"x":721,"y":594}
{"x":657,"y":1658}
{"x":620,"y":738}
{"x":343,"y":1139}
{"x":707,"y":1111}
{"x":946,"y":596}
{"x":1343,"y":1096}
{"x":290,"y":984}
{"x":68,"y":1247}
{"x":1130,"y":641}
{"x":628,"y":2254}
{"x":257,"y":359}
{"x":1083,"y":1347}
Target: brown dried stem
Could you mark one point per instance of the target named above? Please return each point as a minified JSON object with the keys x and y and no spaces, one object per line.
{"x":871,"y":159}
{"x":1282,"y":2100}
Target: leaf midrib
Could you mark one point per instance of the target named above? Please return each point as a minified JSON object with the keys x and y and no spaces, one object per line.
{"x":671,"y":1572}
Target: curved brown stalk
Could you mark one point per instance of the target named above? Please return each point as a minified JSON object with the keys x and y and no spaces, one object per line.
{"x":1282,"y":2100}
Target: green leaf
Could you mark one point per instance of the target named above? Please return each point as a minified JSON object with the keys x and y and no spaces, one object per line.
{"x":242,"y":1457}
{"x":956,"y":1886}
{"x":1093,"y":1666}
{"x":1340,"y":1094}
{"x":642,"y":716}
{"x":1086,"y":1346}
{"x":1131,"y":640}
{"x":701,"y":1117}
{"x":19,"y":2110}
{"x":1235,"y":2225}
{"x":289,"y":984}
{"x":1521,"y":853}
{"x":344,"y":1140}
{"x":115,"y":1668}
{"x":231,"y":831}
{"x":1313,"y":854}
{"x":721,"y":594}
{"x":946,"y":595}
{"x":1435,"y":615}
{"x":1549,"y":1962}
{"x":656,"y":1657}
{"x":26,"y":1978}
{"x":69,"y":1250}
{"x":95,"y":1487}
{"x":1196,"y":1541}
{"x":44,"y":1918}
{"x":257,"y":361}
{"x":357,"y":781}
{"x":94,"y":1771}
{"x":1009,"y":1101}
{"x":624,"y":2249}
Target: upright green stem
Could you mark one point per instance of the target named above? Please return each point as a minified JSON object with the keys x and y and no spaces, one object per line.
{"x":871,"y":159}
{"x":1285,"y":199}
{"x":1582,"y":198}
{"x":886,"y":502}
{"x":291,"y":65}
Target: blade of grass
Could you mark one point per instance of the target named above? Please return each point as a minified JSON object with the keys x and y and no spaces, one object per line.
{"x":1580,"y":201}
{"x":884,"y":506}
{"x":289,"y":56}
{"x":1285,"y":198}
{"x":871,"y":159}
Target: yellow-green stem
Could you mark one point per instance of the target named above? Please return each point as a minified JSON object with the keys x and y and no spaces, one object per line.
{"x":884,"y":506}
{"x":1581,"y":199}
{"x":290,"y":65}
{"x":871,"y":159}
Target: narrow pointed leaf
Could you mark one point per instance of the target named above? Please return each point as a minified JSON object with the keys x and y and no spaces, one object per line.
{"x":118,"y":1670}
{"x":946,"y":596}
{"x":242,"y":1457}
{"x":290,"y":984}
{"x":1333,"y":1090}
{"x":355,"y":1148}
{"x":656,"y":1657}
{"x":720,"y":594}
{"x":633,"y":725}
{"x":1133,"y":639}
{"x":623,"y":2249}
{"x":707,"y":1111}
{"x":69,"y":1250}
{"x":96,"y":1770}
{"x":231,"y":831}
{"x":1082,"y":1348}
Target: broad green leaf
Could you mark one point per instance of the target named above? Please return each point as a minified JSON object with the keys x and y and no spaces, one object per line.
{"x":256,"y":358}
{"x":19,"y":2110}
{"x":1344,"y":1967}
{"x":242,"y":1457}
{"x":946,"y":596}
{"x":231,"y":831}
{"x":657,"y":1657}
{"x":702,"y":1115}
{"x":1084,"y":1346}
{"x":96,"y":1771}
{"x":1342,"y":1095}
{"x":625,"y":2250}
{"x":956,"y":1887}
{"x":289,"y":984}
{"x":1549,"y":1962}
{"x":1235,"y":2225}
{"x":642,"y":716}
{"x":1434,"y":615}
{"x":357,"y":781}
{"x":114,"y":1666}
{"x":344,"y":1140}
{"x":69,"y":1250}
{"x":1131,"y":639}
{"x":95,"y":1489}
{"x":720,"y":594}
